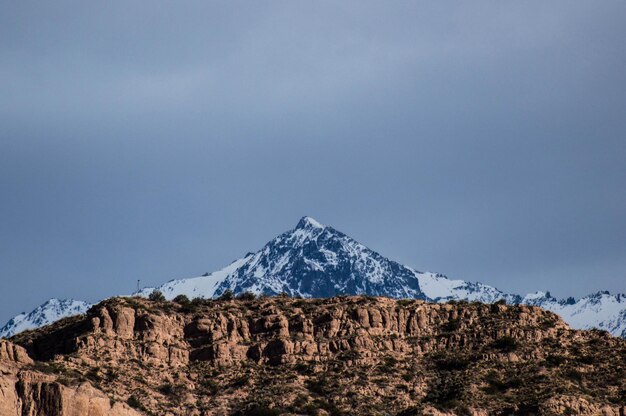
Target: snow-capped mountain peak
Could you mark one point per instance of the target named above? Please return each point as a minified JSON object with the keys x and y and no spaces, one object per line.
{"x":47,"y":313}
{"x":311,"y":260}
{"x":308,"y":223}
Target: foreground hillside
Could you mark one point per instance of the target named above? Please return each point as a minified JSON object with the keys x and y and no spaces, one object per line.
{"x":338,"y":356}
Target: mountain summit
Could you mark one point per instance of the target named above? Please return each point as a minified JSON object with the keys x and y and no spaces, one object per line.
{"x":312,"y":260}
{"x":308,"y":222}
{"x":316,"y":261}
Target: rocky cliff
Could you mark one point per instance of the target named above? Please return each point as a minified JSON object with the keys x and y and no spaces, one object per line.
{"x":25,"y":390}
{"x":338,"y":356}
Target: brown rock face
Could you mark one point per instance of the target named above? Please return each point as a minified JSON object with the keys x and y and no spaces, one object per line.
{"x":24,"y":391}
{"x":12,"y":353}
{"x":339,"y":356}
{"x":39,"y":398}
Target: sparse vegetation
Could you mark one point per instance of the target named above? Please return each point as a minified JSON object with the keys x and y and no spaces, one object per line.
{"x":166,"y":389}
{"x":181,"y":300}
{"x":388,"y":364}
{"x":573,"y":374}
{"x":249,"y":296}
{"x":496,"y":384}
{"x":135,"y":403}
{"x":226,"y":295}
{"x":450,"y":362}
{"x":318,"y":386}
{"x":555,"y":360}
{"x":260,"y":410}
{"x":335,"y":356}
{"x":156,"y":296}
{"x":406,"y":302}
{"x":93,"y":374}
{"x":452,"y":325}
{"x":506,"y":344}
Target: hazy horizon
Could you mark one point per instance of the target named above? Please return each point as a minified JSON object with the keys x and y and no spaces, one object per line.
{"x":156,"y":141}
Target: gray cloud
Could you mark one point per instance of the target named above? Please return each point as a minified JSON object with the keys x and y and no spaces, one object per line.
{"x":162,"y":140}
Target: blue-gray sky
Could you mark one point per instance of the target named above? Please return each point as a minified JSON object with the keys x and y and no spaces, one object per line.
{"x":160,"y":140}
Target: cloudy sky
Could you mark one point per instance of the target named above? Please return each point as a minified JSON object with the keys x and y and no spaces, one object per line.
{"x":160,"y":140}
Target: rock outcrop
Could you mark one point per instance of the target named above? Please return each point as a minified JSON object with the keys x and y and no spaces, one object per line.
{"x":343,"y":355}
{"x":25,"y":391}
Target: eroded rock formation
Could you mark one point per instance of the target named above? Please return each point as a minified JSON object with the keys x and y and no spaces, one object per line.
{"x":344,"y":355}
{"x":25,"y":391}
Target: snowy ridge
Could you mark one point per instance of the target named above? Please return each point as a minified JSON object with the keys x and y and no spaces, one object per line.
{"x":441,"y":289}
{"x":311,"y":260}
{"x":47,"y":313}
{"x":314,"y":260}
{"x":600,"y":310}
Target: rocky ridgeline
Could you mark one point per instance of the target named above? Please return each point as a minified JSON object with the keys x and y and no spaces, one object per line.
{"x":342,"y":355}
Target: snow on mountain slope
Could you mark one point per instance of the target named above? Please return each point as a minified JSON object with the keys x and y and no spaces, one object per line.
{"x":310,"y":261}
{"x":47,"y":313}
{"x":202,"y":286}
{"x":600,"y":310}
{"x":441,"y":289}
{"x":314,"y":260}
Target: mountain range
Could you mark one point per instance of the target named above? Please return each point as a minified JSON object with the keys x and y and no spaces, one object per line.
{"x":317,"y":261}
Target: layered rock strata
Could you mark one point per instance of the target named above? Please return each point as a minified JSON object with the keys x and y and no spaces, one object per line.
{"x":343,"y":355}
